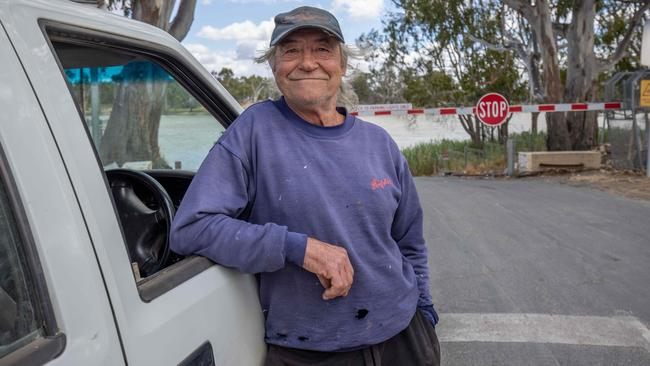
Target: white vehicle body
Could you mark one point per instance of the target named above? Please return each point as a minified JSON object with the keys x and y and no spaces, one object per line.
{"x":97,"y":314}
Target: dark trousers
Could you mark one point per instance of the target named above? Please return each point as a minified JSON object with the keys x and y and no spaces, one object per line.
{"x":417,"y":345}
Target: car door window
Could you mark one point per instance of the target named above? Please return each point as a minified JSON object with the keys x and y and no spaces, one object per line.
{"x":152,"y":121}
{"x":138,"y":115}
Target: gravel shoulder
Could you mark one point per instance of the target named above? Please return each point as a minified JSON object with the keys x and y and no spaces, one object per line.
{"x":624,"y":183}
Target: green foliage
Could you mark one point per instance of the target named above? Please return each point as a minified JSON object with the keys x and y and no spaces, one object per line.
{"x":423,"y":159}
{"x":247,"y":89}
{"x":361,"y":84}
{"x":427,"y":48}
{"x":428,"y":89}
{"x":611,"y":26}
{"x":462,"y":156}
{"x":179,"y":100}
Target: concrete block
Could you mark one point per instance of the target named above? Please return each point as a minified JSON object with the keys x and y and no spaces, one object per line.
{"x":540,"y":160}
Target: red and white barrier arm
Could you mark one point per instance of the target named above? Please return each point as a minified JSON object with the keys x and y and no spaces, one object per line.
{"x":513,"y":109}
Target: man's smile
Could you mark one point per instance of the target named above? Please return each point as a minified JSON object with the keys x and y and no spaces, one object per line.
{"x":310,"y":78}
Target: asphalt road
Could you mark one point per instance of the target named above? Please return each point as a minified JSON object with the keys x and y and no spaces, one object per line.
{"x":528,"y":272}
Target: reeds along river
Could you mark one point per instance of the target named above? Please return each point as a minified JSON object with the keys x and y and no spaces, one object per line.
{"x":188,"y":138}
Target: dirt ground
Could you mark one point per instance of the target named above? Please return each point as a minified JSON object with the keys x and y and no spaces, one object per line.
{"x":625,"y":183}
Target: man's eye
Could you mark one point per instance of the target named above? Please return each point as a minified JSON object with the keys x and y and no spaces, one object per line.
{"x":291,"y":50}
{"x":323,"y":49}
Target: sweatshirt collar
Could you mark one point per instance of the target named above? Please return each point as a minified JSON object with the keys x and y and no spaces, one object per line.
{"x":312,"y":129}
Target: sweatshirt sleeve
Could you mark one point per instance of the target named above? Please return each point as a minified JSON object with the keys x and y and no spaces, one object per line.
{"x":407,"y":232}
{"x":207,"y":223}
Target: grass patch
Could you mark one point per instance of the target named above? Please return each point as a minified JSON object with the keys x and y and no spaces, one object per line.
{"x":423,"y":158}
{"x":462,"y":157}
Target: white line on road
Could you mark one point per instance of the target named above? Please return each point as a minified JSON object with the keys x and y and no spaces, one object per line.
{"x":622,"y":331}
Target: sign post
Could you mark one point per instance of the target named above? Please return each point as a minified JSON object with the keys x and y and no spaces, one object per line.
{"x":492,"y":109}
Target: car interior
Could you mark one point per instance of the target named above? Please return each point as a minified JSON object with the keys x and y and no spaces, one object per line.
{"x":146,"y":192}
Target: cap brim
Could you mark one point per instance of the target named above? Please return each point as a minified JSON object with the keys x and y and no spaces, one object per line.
{"x":294,"y":28}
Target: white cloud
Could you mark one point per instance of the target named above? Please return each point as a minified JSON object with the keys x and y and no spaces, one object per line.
{"x":240,"y":32}
{"x":360,"y":9}
{"x":249,"y":38}
{"x":216,"y":60}
{"x":206,"y":2}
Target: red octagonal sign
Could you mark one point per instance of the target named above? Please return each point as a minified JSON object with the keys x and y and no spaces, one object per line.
{"x":492,"y":109}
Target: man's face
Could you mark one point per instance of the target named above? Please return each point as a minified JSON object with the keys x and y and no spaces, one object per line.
{"x":307,"y":68}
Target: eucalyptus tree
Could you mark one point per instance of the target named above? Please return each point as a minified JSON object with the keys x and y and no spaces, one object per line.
{"x":138,"y":107}
{"x":564,"y":47}
{"x":424,"y":44}
{"x":576,"y":43}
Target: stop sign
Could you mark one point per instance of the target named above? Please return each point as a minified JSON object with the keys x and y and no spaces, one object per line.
{"x":492,"y":109}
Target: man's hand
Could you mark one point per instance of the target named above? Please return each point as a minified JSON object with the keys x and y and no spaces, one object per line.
{"x":331,"y":265}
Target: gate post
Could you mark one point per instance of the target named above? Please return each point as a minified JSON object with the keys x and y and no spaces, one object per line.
{"x":511,"y":147}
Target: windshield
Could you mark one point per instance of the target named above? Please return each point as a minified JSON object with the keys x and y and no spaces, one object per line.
{"x":138,"y":115}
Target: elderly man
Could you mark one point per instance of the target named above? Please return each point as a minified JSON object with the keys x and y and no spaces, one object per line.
{"x":323,"y":206}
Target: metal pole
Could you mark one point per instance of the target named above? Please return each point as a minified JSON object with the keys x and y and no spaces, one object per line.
{"x":95,"y":124}
{"x":638,"y":164}
{"x":511,"y":144}
{"x":647,"y":134}
{"x":601,"y":133}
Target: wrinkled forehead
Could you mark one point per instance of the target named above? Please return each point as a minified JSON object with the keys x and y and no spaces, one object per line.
{"x":314,"y":35}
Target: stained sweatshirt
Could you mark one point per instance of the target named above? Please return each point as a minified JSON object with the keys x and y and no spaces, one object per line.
{"x":272,"y":180}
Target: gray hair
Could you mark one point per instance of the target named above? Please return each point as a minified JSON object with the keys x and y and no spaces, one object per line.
{"x":347,"y":53}
{"x":345,"y":96}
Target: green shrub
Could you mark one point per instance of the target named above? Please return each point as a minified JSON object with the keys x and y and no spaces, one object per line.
{"x":461,"y":156}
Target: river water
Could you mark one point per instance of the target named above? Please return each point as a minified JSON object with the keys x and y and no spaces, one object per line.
{"x":188,"y":138}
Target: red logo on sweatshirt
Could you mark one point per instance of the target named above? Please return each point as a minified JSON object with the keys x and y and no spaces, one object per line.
{"x":380,"y":183}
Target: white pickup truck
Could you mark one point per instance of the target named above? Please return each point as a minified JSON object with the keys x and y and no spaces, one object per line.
{"x":98,"y":114}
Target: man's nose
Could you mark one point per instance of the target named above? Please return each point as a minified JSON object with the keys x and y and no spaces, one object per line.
{"x":308,"y":62}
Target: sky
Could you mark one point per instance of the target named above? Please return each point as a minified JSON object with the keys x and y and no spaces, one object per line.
{"x":230,"y":33}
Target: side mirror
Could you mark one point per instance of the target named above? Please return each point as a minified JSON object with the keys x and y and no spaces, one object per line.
{"x":645,"y":45}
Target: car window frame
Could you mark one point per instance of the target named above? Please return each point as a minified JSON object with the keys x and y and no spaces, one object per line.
{"x":46,"y":348}
{"x":170,"y":60}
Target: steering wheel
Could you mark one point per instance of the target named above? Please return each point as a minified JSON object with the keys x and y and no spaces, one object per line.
{"x":146,"y":229}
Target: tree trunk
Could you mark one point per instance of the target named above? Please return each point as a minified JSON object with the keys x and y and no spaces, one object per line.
{"x":584,"y":130}
{"x":503,"y":131}
{"x":533,"y":122}
{"x":558,"y":132}
{"x":132,"y":130}
{"x":575,"y":130}
{"x":581,"y":71}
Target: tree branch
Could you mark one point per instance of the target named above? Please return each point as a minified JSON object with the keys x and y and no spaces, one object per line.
{"x":491,"y":46}
{"x":467,"y":124}
{"x":518,"y":5}
{"x":620,"y":52}
{"x":522,"y":6}
{"x":560,"y":29}
{"x":168,"y":10}
{"x":183,"y":20}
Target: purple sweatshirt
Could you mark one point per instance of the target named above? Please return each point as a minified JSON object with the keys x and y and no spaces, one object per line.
{"x":273,"y":179}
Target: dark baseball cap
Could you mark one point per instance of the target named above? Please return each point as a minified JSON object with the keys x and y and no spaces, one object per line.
{"x":305,"y":17}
